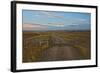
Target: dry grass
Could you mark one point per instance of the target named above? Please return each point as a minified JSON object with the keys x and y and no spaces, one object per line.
{"x":32,"y":49}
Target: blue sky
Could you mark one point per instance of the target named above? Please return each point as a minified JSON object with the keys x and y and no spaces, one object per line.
{"x":50,"y":20}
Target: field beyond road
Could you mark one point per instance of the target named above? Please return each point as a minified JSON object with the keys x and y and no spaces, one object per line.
{"x":39,"y":46}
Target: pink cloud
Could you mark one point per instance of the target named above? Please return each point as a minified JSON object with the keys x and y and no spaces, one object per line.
{"x":33,"y":27}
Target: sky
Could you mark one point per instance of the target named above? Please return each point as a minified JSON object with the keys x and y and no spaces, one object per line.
{"x":49,"y":20}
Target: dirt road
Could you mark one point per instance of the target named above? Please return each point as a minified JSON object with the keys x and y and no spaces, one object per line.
{"x":60,"y":51}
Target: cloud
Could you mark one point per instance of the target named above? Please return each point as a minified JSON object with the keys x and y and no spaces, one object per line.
{"x":34,"y":27}
{"x":56,"y":24}
{"x":71,"y":21}
{"x":67,"y":21}
{"x":51,"y":14}
{"x":77,"y":21}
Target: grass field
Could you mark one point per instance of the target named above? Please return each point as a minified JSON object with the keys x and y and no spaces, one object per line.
{"x":56,"y":46}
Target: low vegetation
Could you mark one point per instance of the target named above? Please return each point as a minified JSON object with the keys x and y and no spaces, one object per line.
{"x":34,"y":43}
